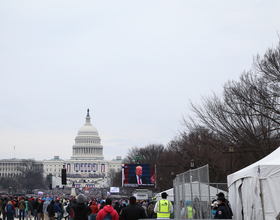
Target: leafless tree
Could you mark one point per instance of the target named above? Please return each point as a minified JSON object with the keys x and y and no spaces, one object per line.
{"x":32,"y":175}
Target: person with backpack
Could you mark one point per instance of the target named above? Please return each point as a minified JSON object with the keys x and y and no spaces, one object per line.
{"x":108,"y":212}
{"x":10,"y":210}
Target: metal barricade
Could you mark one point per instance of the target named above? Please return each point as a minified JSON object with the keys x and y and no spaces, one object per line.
{"x":193,"y":194}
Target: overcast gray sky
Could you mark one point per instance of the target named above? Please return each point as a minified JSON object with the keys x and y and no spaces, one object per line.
{"x":134,"y":64}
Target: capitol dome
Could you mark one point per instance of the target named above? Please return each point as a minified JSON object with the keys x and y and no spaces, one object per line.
{"x":87,"y":143}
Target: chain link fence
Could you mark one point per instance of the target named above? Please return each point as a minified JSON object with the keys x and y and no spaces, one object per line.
{"x":193,"y":194}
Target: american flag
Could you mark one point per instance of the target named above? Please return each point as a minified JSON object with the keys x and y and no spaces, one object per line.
{"x":85,"y":167}
{"x":68,"y":167}
{"x":77,"y":167}
{"x":89,"y":168}
{"x":94,"y":167}
{"x":103,"y":168}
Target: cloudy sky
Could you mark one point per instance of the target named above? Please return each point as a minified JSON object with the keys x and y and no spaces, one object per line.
{"x":135,"y":64}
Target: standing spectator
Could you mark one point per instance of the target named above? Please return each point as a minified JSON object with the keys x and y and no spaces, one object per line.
{"x":10,"y":211}
{"x":30,"y":208}
{"x":16,"y":206}
{"x":151,"y":213}
{"x":1,"y":203}
{"x":101,"y":205}
{"x":21,"y":207}
{"x":4,"y":213}
{"x":133,"y":211}
{"x":94,"y":211}
{"x":81,"y":211}
{"x":51,"y":211}
{"x":45,"y":207}
{"x":144,"y":206}
{"x":65,"y":213}
{"x":108,"y":212}
{"x":57,"y":209}
{"x":35,"y":206}
{"x":117,"y":207}
{"x":40,"y":210}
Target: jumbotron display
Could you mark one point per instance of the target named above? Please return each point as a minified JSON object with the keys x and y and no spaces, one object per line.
{"x":138,"y":175}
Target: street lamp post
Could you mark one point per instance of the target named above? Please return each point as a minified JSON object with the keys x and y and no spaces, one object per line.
{"x":231,"y":150}
{"x":192,"y":164}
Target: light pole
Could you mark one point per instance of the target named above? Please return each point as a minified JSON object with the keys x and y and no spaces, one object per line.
{"x":231,"y":150}
{"x":192,"y":164}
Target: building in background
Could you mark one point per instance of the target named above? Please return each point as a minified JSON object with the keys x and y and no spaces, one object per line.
{"x":87,"y":158}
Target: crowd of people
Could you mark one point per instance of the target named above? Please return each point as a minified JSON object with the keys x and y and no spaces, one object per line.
{"x":85,"y":208}
{"x":74,"y":208}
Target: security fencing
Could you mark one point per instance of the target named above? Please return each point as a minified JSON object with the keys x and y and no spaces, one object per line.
{"x":193,"y":194}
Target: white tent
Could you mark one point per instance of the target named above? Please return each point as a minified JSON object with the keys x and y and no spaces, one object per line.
{"x":255,"y":190}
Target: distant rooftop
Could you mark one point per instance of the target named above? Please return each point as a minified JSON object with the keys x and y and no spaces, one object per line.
{"x":56,"y":158}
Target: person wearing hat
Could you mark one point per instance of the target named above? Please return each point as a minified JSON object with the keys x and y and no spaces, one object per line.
{"x":40,"y":210}
{"x":222,"y":211}
{"x":80,"y":210}
{"x":163,"y":208}
{"x":222,"y":195}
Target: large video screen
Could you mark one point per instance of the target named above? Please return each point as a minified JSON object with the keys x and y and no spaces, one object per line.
{"x":114,"y":189}
{"x":138,"y":175}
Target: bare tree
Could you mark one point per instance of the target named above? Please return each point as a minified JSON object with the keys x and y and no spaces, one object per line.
{"x":32,"y":175}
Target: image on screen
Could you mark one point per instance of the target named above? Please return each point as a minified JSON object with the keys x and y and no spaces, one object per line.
{"x":138,"y":175}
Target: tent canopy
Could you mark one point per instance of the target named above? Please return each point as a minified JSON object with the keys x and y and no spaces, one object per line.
{"x":266,"y":167}
{"x":254,"y":191}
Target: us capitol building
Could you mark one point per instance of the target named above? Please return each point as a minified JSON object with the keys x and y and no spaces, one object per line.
{"x":87,"y":159}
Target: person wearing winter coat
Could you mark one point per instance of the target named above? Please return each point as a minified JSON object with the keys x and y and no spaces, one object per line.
{"x":10,"y":211}
{"x":45,"y":206}
{"x":35,"y":206}
{"x":94,"y":211}
{"x":222,"y":211}
{"x":40,"y":210}
{"x":4,"y":213}
{"x":80,"y":210}
{"x":50,"y":210}
{"x":29,"y":209}
{"x":133,"y":211}
{"x":21,"y":207}
{"x":57,"y":210}
{"x":107,"y":209}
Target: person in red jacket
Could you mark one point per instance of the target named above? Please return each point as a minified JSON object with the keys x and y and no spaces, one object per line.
{"x":108,"y":212}
{"x":94,"y":211}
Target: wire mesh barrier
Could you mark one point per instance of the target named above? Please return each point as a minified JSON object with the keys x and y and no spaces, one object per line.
{"x":193,"y":194}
